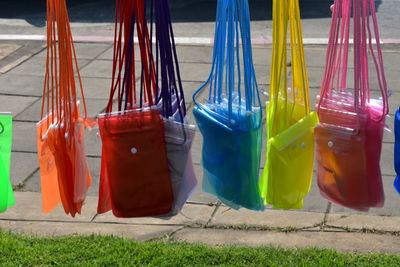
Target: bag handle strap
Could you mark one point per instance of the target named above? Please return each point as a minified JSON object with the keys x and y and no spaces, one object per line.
{"x":171,"y":84}
{"x":286,"y":17}
{"x":232,"y":29}
{"x":129,"y":14}
{"x":59,"y":100}
{"x":363,"y":11}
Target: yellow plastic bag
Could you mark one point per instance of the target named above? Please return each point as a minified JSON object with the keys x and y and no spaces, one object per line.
{"x":287,"y":176}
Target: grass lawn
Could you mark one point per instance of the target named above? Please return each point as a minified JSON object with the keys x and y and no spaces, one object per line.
{"x":20,"y":250}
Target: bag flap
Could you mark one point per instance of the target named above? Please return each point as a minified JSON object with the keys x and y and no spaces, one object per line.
{"x":295,"y":131}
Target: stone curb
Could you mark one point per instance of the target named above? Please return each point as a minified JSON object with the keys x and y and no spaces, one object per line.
{"x":340,"y":241}
{"x":214,"y":225}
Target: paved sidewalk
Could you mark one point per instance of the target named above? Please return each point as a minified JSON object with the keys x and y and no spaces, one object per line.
{"x":216,"y":225}
{"x":22,"y":66}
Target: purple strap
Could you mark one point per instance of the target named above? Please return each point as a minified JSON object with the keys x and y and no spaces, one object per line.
{"x":168,"y":74}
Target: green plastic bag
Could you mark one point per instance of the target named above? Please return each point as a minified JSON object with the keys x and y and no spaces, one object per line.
{"x":6,"y":191}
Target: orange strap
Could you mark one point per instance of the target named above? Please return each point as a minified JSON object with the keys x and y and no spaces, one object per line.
{"x":59,"y":91}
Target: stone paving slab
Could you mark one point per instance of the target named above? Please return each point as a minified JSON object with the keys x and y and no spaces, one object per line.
{"x":199,"y":72}
{"x":28,"y":207}
{"x":97,"y":88}
{"x":21,"y":84}
{"x":32,"y":184}
{"x":7,"y":49}
{"x":55,"y":229}
{"x":16,"y":104}
{"x":24,"y":136}
{"x":269,"y":218}
{"x":23,"y":166}
{"x":85,"y":50}
{"x":360,"y":221}
{"x":314,"y":201}
{"x":315,"y":75}
{"x":190,"y":214}
{"x":32,"y":113}
{"x":102,"y":69}
{"x":261,"y":55}
{"x":37,"y":66}
{"x":341,"y":241}
{"x":108,"y":54}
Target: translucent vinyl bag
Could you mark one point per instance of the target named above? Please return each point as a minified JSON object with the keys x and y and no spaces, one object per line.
{"x":135,"y":179}
{"x":179,"y":139}
{"x":349,"y":139}
{"x":342,"y":165}
{"x":6,"y":191}
{"x":48,"y":170}
{"x":171,"y":103}
{"x":231,"y":157}
{"x":63,"y":166}
{"x":137,"y":168}
{"x":353,"y":138}
{"x":397,"y":150}
{"x":230,"y":120}
{"x":287,"y":175}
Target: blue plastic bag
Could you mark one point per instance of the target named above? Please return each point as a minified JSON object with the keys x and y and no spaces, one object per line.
{"x":397,"y":150}
{"x":230,"y":120}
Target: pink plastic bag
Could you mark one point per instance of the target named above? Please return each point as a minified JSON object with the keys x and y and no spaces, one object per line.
{"x":349,"y":139}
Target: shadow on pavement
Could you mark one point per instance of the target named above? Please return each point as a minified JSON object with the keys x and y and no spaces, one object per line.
{"x":102,"y":11}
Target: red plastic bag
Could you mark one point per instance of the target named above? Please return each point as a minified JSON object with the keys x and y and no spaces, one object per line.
{"x":135,"y":179}
{"x":137,"y":167}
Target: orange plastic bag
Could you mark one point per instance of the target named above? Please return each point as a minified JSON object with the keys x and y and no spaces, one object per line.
{"x":64,"y":171}
{"x":48,"y":170}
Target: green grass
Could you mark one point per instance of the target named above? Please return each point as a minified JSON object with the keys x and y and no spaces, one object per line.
{"x":21,"y":250}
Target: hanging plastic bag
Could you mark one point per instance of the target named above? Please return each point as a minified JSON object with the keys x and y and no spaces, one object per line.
{"x":230,"y":120}
{"x":135,"y":179}
{"x":349,"y":138}
{"x":6,"y":191}
{"x":171,"y":102}
{"x":397,"y":150}
{"x":64,"y":171}
{"x":287,"y":175}
{"x":178,"y":139}
{"x":48,"y":170}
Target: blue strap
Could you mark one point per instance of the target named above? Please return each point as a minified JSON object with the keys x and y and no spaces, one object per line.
{"x":230,"y":60}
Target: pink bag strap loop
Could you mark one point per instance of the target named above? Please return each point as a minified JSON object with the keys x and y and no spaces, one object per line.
{"x":337,"y":53}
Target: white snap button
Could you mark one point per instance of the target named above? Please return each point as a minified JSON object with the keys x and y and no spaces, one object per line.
{"x":233,"y":121}
{"x":330,"y":144}
{"x":133,"y":150}
{"x":303,"y":145}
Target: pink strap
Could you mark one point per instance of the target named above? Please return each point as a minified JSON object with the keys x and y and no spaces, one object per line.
{"x":338,"y":47}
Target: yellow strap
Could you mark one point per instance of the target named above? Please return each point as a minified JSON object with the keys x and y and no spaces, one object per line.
{"x":282,"y":106}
